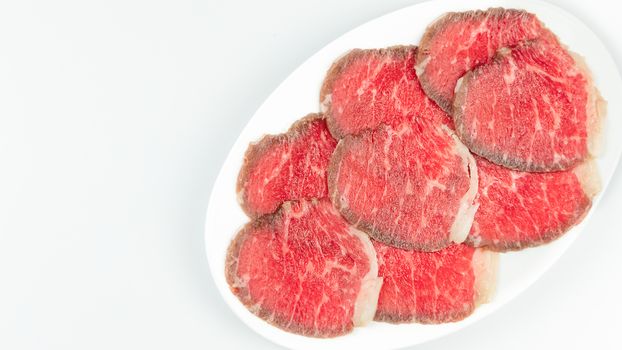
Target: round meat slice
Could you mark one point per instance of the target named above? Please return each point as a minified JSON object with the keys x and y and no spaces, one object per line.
{"x":286,"y":167}
{"x":532,"y":108}
{"x":410,"y":186}
{"x":459,"y":41}
{"x":519,"y":209}
{"x":365,"y":88}
{"x":305,"y":269}
{"x":437,"y":287}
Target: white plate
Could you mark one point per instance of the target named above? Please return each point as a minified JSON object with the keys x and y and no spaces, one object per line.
{"x":298,"y":95}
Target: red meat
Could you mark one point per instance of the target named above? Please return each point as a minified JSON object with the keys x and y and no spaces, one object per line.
{"x":519,"y":209}
{"x":459,"y":41}
{"x":411,"y":185}
{"x":365,"y":88}
{"x":443,"y":286}
{"x":532,"y":108}
{"x":286,"y":167}
{"x":305,"y":269}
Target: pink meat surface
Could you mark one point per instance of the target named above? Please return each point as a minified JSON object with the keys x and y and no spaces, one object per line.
{"x":305,"y":269}
{"x":529,"y":109}
{"x":443,"y":286}
{"x":459,"y":41}
{"x":368,"y":87}
{"x":286,"y":167}
{"x":520,"y":209}
{"x":411,"y":185}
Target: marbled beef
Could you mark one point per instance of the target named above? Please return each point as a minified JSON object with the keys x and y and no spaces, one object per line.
{"x":285,"y":167}
{"x":305,"y":269}
{"x":411,"y":185}
{"x":520,"y":209}
{"x":531,"y":108}
{"x":366,"y":88}
{"x":459,"y":41}
{"x":437,"y":287}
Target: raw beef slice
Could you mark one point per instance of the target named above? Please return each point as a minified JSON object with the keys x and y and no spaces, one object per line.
{"x":305,"y":269}
{"x":532,"y":108}
{"x":286,"y":167}
{"x":368,"y":87}
{"x":410,"y":186}
{"x":519,"y":209}
{"x":459,"y":41}
{"x":443,"y":286}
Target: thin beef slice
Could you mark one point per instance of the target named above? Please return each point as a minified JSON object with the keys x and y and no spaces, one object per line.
{"x":285,"y":167}
{"x":459,"y":41}
{"x":532,"y":108}
{"x":438,"y":287}
{"x":365,"y":88}
{"x":410,"y":186}
{"x":305,"y":270}
{"x":520,"y":209}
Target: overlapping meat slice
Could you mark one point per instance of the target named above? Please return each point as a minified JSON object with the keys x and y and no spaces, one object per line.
{"x":305,"y":270}
{"x":366,"y":88}
{"x":411,"y":185}
{"x":459,"y":41}
{"x":286,"y":167}
{"x":532,"y":108}
{"x":520,"y":209}
{"x":437,"y":287}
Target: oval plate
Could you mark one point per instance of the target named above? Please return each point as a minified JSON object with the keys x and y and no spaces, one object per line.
{"x":298,"y":95}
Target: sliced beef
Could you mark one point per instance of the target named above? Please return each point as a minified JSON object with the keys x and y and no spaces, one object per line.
{"x":531,"y":108}
{"x":459,"y":41}
{"x":286,"y":167}
{"x":443,"y":286}
{"x":365,"y":88}
{"x":520,"y":209}
{"x":411,"y":185}
{"x":305,"y":269}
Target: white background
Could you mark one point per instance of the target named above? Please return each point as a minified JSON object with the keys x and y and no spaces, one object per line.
{"x":115,"y":117}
